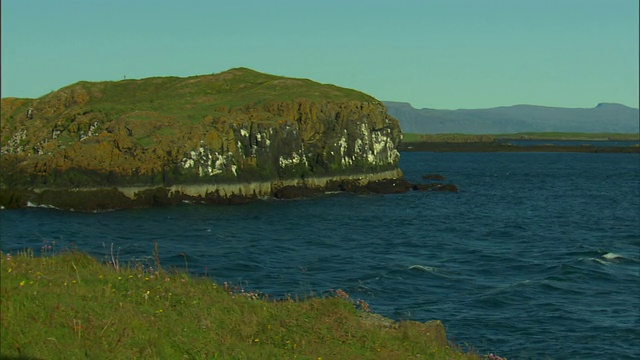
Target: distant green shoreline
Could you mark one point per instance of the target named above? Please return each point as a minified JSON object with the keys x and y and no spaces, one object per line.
{"x":500,"y":142}
{"x":506,"y":147}
{"x":412,"y":137}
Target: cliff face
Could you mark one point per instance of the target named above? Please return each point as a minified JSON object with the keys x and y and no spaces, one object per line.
{"x":238,"y":133}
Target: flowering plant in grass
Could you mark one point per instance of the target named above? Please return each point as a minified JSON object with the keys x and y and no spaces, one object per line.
{"x":239,"y":291}
{"x":495,"y":357}
{"x":359,"y":304}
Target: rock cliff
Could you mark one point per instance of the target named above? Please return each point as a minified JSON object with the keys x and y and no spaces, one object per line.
{"x":227,"y":137}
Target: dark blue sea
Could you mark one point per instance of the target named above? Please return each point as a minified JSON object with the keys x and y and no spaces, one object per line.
{"x":537,"y":256}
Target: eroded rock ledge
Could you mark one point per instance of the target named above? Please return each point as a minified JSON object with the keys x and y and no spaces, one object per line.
{"x":115,"y":198}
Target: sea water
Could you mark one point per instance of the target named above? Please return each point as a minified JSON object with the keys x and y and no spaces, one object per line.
{"x":537,"y":256}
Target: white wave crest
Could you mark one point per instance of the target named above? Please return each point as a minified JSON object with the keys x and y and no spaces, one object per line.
{"x":422,"y":268}
{"x":600,"y":261}
{"x":612,"y":256}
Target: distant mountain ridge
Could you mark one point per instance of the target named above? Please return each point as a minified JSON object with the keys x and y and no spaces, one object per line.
{"x":605,"y":117}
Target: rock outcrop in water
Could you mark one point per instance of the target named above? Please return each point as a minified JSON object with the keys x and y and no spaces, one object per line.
{"x":222,"y":138}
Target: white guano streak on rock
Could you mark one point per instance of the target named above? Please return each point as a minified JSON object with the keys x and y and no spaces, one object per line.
{"x":345,"y":160}
{"x":208,"y":163}
{"x":240,"y":152}
{"x":13,"y":145}
{"x":380,"y":143}
{"x":295,"y":159}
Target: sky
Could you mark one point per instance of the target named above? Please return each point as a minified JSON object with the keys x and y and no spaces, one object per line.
{"x":440,"y":54}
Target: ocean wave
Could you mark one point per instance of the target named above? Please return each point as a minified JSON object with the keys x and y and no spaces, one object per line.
{"x":422,"y":268}
{"x":560,"y":285}
{"x":611,"y":258}
{"x":47,"y":206}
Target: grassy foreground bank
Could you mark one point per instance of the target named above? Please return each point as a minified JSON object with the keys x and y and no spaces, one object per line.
{"x":71,"y":306}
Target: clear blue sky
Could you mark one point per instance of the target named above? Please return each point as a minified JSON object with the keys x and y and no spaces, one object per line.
{"x":443,"y":54}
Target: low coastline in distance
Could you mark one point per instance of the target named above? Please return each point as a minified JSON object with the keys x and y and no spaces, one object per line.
{"x":523,"y":142}
{"x":605,"y":128}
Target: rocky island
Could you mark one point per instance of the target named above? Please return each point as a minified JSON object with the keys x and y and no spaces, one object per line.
{"x":222,"y":138}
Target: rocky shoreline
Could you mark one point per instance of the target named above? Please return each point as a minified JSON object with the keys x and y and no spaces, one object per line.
{"x":119,"y":198}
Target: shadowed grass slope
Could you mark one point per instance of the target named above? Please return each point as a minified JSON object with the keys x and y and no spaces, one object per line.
{"x":72,"y":306}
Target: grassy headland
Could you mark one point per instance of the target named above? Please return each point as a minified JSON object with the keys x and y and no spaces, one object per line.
{"x":153,"y":110}
{"x":71,"y":306}
{"x":235,"y":127}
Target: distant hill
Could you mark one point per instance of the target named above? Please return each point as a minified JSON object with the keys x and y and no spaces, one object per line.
{"x":606,"y":117}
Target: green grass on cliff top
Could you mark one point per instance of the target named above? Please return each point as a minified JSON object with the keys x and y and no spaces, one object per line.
{"x":235,"y":87}
{"x":196,"y":96}
{"x":70,"y":306}
{"x":234,"y":95}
